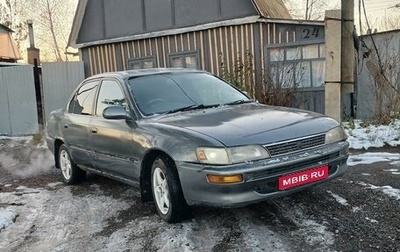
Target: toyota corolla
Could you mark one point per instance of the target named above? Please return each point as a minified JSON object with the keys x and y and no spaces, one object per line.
{"x":186,"y":137}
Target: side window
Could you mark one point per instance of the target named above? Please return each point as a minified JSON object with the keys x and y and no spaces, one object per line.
{"x":110,"y":94}
{"x":82,"y":102}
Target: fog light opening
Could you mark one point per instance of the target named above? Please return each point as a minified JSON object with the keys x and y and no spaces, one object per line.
{"x":224,"y":179}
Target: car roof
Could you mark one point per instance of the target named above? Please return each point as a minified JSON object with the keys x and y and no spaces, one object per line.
{"x":142,"y":72}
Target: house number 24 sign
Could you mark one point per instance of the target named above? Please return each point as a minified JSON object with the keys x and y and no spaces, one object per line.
{"x":311,"y":33}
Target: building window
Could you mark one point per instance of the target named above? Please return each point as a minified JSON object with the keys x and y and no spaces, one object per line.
{"x":140,"y":63}
{"x":184,"y":60}
{"x":297,"y":66}
{"x":310,"y":52}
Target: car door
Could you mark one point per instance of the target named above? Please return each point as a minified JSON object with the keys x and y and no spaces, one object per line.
{"x":76,"y":123}
{"x":111,"y":140}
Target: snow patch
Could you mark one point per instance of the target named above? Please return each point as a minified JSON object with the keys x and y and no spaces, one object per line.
{"x":339,"y":199}
{"x":392,"y":170}
{"x":55,"y":184}
{"x":372,"y":157}
{"x":388,"y":190}
{"x":16,"y":139}
{"x":274,"y":161}
{"x":66,"y":214}
{"x":396,"y":163}
{"x":372,"y":135}
{"x":7,"y":218}
{"x":259,"y":237}
{"x":316,"y":233}
{"x":371,"y":220}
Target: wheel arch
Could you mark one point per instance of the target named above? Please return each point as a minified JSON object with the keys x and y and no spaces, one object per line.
{"x":145,"y":172}
{"x":57,"y":145}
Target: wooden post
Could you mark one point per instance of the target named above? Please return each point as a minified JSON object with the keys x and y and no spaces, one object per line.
{"x":348,"y":55}
{"x":348,"y":45}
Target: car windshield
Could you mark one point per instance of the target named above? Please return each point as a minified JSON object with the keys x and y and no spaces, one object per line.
{"x":174,"y":92}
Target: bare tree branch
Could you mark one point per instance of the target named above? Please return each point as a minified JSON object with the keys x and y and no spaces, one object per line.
{"x":52,"y":20}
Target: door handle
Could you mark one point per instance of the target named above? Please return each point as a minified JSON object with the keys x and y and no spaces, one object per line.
{"x":94,"y":130}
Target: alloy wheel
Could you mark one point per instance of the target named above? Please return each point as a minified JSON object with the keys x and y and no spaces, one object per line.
{"x":65,"y":164}
{"x":161,"y":192}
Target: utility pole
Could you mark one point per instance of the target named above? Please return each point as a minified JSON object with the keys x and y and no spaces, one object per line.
{"x":348,"y":55}
{"x":340,"y":61}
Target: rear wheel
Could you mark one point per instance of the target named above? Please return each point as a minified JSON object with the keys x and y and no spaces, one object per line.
{"x":70,"y":172}
{"x":167,"y":191}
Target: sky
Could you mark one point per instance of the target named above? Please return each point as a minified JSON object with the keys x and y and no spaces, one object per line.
{"x":377,"y":10}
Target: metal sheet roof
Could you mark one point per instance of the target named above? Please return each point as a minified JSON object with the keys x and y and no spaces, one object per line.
{"x":272,"y":9}
{"x":265,"y":8}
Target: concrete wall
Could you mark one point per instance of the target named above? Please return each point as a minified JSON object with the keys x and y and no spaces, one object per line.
{"x":111,"y":19}
{"x":59,"y":81}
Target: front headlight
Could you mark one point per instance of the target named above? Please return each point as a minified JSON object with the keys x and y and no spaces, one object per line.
{"x":335,"y":135}
{"x":234,"y":155}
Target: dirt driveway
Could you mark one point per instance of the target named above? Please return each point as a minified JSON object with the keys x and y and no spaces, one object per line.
{"x":359,"y":212}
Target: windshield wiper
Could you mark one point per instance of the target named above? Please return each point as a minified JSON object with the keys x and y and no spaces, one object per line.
{"x":191,"y":107}
{"x":238,"y":102}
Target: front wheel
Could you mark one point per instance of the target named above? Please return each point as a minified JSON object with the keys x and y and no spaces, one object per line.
{"x":70,"y":172}
{"x":167,"y":192}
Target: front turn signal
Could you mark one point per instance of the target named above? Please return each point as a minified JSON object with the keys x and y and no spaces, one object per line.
{"x":224,"y":179}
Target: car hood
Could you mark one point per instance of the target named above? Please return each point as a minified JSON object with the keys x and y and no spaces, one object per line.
{"x":252,"y":123}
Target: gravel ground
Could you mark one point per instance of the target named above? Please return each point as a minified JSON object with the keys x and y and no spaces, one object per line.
{"x":358,"y":212}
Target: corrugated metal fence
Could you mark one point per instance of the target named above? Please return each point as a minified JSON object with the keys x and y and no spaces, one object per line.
{"x":18,"y":109}
{"x":59,"y":81}
{"x":17,"y":101}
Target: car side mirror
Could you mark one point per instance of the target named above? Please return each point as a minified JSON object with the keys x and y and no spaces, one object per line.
{"x":116,"y":113}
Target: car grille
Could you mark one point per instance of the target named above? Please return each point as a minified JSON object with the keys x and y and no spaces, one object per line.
{"x":295,"y":145}
{"x":280,"y":170}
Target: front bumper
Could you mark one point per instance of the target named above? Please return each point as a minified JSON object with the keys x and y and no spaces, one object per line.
{"x":260,"y":178}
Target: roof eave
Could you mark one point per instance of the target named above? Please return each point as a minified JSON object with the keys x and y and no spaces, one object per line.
{"x":6,"y":29}
{"x":77,"y":23}
{"x":271,"y":9}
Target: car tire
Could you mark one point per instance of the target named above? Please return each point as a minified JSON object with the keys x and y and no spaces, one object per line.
{"x":70,"y":172}
{"x":167,"y":192}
